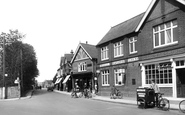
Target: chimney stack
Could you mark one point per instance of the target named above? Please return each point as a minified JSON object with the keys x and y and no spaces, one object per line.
{"x":71,"y":51}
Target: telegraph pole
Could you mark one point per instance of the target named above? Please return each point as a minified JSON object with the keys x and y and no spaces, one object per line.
{"x":4,"y":85}
{"x":3,"y":69}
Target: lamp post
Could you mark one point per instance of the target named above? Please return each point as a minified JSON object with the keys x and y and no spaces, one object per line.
{"x":96,"y":80}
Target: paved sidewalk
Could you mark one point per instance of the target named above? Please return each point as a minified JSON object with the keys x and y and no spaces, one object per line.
{"x":27,"y":96}
{"x":174,"y":103}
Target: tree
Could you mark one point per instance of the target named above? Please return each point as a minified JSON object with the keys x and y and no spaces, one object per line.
{"x":20,"y":60}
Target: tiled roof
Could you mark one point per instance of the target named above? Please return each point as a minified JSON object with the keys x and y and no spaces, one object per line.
{"x":68,"y":56}
{"x":61,"y":61}
{"x":90,"y":49}
{"x":122,"y":29}
{"x":148,"y":11}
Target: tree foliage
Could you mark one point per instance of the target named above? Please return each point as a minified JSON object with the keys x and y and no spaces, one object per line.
{"x":20,"y":60}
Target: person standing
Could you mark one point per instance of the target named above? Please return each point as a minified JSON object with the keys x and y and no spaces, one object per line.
{"x":156,"y":90}
{"x":113,"y":92}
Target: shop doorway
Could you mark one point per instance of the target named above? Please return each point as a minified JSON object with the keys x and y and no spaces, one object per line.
{"x":180,"y":82}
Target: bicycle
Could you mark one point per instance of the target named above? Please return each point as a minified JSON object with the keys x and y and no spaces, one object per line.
{"x":163,"y":103}
{"x":182,"y":106}
{"x":76,"y":93}
{"x":87,"y":93}
{"x":118,"y":95}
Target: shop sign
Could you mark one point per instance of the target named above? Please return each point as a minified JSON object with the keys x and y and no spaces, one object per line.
{"x":118,"y":62}
{"x":104,"y":65}
{"x":133,"y":59}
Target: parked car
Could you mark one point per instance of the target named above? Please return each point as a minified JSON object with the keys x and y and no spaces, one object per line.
{"x":50,"y":88}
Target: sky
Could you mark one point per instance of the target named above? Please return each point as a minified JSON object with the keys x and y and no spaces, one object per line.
{"x":55,"y":27}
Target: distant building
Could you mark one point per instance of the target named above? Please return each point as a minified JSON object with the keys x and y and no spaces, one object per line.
{"x":62,"y":78}
{"x":84,"y":63}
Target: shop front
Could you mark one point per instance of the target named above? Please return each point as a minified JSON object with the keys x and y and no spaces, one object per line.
{"x":67,"y":83}
{"x":82,"y":79}
{"x":168,"y":73}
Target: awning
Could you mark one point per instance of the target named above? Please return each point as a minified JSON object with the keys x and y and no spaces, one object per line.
{"x":65,"y":80}
{"x":58,"y":80}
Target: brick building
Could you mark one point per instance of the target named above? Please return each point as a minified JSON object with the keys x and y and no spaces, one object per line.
{"x":84,"y":63}
{"x":162,"y":46}
{"x":148,"y":46}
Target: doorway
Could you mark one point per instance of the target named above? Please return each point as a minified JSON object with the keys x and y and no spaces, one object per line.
{"x":180,"y":74}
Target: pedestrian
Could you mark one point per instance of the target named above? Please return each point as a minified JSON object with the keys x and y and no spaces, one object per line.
{"x":154,"y":86}
{"x":113,"y":92}
{"x":85,"y":89}
{"x":76,"y":90}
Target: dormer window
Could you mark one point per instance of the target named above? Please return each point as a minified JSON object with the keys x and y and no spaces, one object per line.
{"x":165,"y":34}
{"x":118,"y":49}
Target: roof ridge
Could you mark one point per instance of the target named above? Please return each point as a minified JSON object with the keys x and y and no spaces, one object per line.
{"x":128,"y":20}
{"x":87,"y":44}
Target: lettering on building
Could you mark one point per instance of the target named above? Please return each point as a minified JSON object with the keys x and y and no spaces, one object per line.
{"x":133,"y":59}
{"x":104,"y":65}
{"x":118,"y":62}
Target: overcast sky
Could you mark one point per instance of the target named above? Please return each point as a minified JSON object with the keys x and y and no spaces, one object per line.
{"x":55,"y":27}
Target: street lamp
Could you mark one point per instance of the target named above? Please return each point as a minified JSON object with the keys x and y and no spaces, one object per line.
{"x":96,"y":80}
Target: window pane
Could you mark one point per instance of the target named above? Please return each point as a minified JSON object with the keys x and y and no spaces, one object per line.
{"x":162,"y":38}
{"x":121,"y":49}
{"x":168,"y":36}
{"x":156,"y":39}
{"x":175,"y":34}
{"x":131,"y":47}
{"x":156,"y":29}
{"x":162,"y":27}
{"x":174,"y":22}
{"x":168,"y":24}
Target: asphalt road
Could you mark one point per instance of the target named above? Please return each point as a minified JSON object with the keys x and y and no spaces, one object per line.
{"x":52,"y":103}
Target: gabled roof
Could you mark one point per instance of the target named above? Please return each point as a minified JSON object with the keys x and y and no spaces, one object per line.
{"x":68,"y":57}
{"x":122,"y":29}
{"x":89,"y":49}
{"x":148,"y":11}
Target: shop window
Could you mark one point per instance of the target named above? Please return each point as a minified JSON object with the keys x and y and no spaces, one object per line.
{"x":165,"y":34}
{"x":161,"y":73}
{"x":119,"y":76}
{"x":105,"y":77}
